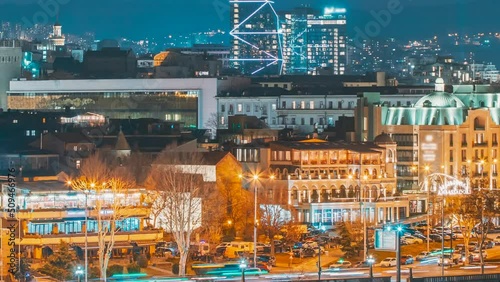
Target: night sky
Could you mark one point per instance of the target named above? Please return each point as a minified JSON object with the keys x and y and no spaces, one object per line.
{"x":138,"y":19}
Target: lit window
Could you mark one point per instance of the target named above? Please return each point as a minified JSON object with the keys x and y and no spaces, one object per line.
{"x":240,"y":107}
{"x":27,"y":133}
{"x":77,"y":164}
{"x":222,"y":120}
{"x":15,"y":121}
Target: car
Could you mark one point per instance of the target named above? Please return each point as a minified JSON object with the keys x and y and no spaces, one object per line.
{"x":497,"y":240}
{"x":361,"y":264}
{"x":472,"y":246}
{"x":458,"y":235}
{"x":423,"y":256}
{"x":388,"y":262}
{"x":341,"y":264}
{"x":407,"y":259}
{"x":304,"y":252}
{"x":436,"y":237}
{"x":270,"y":260}
{"x":449,"y":259}
{"x":488,"y":244}
{"x":412,"y":240}
{"x":476,"y":257}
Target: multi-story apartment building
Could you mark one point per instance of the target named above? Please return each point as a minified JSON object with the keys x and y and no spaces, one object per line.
{"x":310,"y":109}
{"x":256,"y":38}
{"x":312,"y":42}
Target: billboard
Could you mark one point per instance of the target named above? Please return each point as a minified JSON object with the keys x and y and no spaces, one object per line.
{"x":385,"y":240}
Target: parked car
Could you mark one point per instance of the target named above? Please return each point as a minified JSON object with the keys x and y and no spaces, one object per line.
{"x":388,"y":262}
{"x":497,"y":240}
{"x":421,"y":236}
{"x":436,"y":237}
{"x":458,"y":235}
{"x":412,"y":240}
{"x":472,"y":246}
{"x":408,"y":259}
{"x":267,"y":259}
{"x":423,"y":256}
{"x":488,"y":244}
{"x":476,"y":256}
{"x":341,"y":264}
{"x":304,"y":252}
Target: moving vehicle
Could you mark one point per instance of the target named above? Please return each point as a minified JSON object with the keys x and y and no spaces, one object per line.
{"x":497,"y":240}
{"x":341,"y":264}
{"x":388,"y":262}
{"x":449,"y":259}
{"x":423,"y":256}
{"x":361,"y":264}
{"x":408,"y":259}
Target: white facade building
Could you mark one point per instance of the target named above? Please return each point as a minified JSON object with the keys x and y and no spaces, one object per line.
{"x":306,"y":112}
{"x":188,"y":100}
{"x":10,"y":67}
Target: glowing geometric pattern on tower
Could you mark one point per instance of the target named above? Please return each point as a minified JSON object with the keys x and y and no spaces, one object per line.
{"x":256,"y":37}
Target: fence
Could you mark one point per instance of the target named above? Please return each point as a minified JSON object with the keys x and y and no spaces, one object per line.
{"x":482,"y":278}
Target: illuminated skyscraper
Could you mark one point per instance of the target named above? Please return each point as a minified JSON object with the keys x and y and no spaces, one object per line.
{"x":313,"y":42}
{"x":256,"y":37}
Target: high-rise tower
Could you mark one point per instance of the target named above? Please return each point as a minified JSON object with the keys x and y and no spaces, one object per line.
{"x":57,"y":38}
{"x":256,"y":37}
{"x":313,"y":42}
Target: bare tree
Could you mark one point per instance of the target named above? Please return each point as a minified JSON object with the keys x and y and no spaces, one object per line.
{"x":212,"y":123}
{"x":179,"y":191}
{"x":99,"y":179}
{"x":273,"y":219}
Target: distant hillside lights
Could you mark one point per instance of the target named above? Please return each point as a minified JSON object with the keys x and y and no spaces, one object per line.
{"x":382,"y":19}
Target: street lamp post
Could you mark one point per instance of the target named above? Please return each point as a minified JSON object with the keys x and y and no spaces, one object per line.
{"x":371,"y":261}
{"x":255,"y":178}
{"x":398,"y":253}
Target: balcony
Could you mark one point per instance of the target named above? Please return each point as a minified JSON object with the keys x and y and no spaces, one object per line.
{"x":482,"y":144}
{"x":79,"y":238}
{"x":464,"y":144}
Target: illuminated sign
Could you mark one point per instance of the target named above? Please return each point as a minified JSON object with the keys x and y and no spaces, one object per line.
{"x":385,"y":240}
{"x":444,"y":185}
{"x":331,"y":10}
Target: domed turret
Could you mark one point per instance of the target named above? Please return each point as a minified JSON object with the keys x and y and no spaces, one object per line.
{"x":383,"y":138}
{"x":439,"y":100}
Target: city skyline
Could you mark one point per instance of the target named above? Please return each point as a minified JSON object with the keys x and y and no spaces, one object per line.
{"x":144,"y":22}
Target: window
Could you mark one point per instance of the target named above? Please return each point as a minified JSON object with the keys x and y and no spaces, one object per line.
{"x":311,"y":105}
{"x":294,"y":104}
{"x":240,"y":108}
{"x":293,"y":121}
{"x":494,"y":138}
{"x":464,"y":155}
{"x":27,"y":133}
{"x":302,"y":104}
{"x":256,"y":108}
{"x":248,"y":108}
{"x":15,"y":121}
{"x":223,"y":108}
{"x":273,"y":106}
{"x":451,"y":139}
{"x":464,"y":139}
{"x":43,"y":120}
{"x":77,"y":164}
{"x":285,"y":86}
{"x":321,"y":105}
{"x":222,"y":120}
{"x":302,"y":121}
{"x":33,"y":132}
{"x":273,"y":121}
{"x":283,"y":104}
{"x":311,"y":121}
{"x":451,"y":155}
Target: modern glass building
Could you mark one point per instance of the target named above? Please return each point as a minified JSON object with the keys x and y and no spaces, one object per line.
{"x":189,"y":101}
{"x":313,"y":42}
{"x":256,"y":37}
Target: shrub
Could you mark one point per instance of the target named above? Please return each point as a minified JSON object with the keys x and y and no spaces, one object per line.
{"x":142,"y":261}
{"x":133,"y":268}
{"x":114,"y":269}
